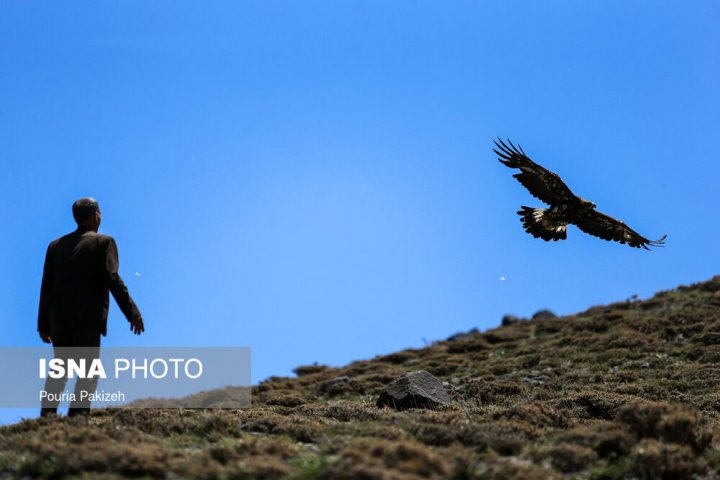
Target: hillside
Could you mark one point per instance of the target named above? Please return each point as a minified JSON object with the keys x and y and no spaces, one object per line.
{"x":627,"y":390}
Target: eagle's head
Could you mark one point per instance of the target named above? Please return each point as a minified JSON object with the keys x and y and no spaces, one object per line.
{"x":587,"y":203}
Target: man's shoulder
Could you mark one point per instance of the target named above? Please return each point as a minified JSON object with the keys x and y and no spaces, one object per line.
{"x":104,"y":239}
{"x":72,"y":237}
{"x":62,"y":239}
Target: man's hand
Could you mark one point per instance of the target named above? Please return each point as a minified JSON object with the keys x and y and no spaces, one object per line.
{"x":136,"y":326}
{"x":45,"y":337}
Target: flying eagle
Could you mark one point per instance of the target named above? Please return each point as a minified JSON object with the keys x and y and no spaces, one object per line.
{"x":565,"y":207}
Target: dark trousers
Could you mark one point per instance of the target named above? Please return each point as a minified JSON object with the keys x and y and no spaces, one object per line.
{"x":63,"y":336}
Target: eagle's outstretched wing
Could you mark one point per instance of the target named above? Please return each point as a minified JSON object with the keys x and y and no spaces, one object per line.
{"x":608,"y":228}
{"x":540,"y":182}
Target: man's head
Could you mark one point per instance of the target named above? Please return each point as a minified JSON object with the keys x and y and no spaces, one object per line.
{"x":86,"y":213}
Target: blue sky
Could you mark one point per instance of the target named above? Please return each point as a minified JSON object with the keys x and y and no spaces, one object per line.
{"x":314,"y":179}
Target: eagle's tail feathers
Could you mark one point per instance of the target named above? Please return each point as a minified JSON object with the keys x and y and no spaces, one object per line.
{"x":539,"y":226}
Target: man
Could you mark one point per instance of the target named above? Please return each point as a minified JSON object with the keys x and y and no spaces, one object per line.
{"x":80,"y":269}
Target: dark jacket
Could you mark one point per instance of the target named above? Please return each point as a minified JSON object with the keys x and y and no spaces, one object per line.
{"x":80,"y":269}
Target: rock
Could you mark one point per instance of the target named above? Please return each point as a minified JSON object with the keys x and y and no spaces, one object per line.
{"x":414,"y":390}
{"x":463,"y":335}
{"x":544,"y":315}
{"x":510,"y":320}
{"x":328,"y":384}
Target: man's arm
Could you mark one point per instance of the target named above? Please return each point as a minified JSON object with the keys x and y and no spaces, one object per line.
{"x":118,"y":288}
{"x":43,"y":324}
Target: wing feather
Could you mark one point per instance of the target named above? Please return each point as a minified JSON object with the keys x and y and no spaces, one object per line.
{"x":539,"y":181}
{"x":608,"y":228}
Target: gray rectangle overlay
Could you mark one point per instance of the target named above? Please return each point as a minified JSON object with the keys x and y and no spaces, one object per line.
{"x":134,"y":377}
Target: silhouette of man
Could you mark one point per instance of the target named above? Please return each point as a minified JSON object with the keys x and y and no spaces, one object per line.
{"x":80,"y":269}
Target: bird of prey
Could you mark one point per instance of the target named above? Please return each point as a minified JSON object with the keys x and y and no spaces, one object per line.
{"x":565,"y":207}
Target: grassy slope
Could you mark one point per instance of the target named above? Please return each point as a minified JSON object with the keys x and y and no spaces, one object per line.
{"x":629,"y":390}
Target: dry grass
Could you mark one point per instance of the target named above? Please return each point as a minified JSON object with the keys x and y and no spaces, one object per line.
{"x":628,"y":390}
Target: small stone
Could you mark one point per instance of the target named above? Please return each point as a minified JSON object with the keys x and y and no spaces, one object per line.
{"x":536,"y":379}
{"x":463,"y":335}
{"x":544,"y":315}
